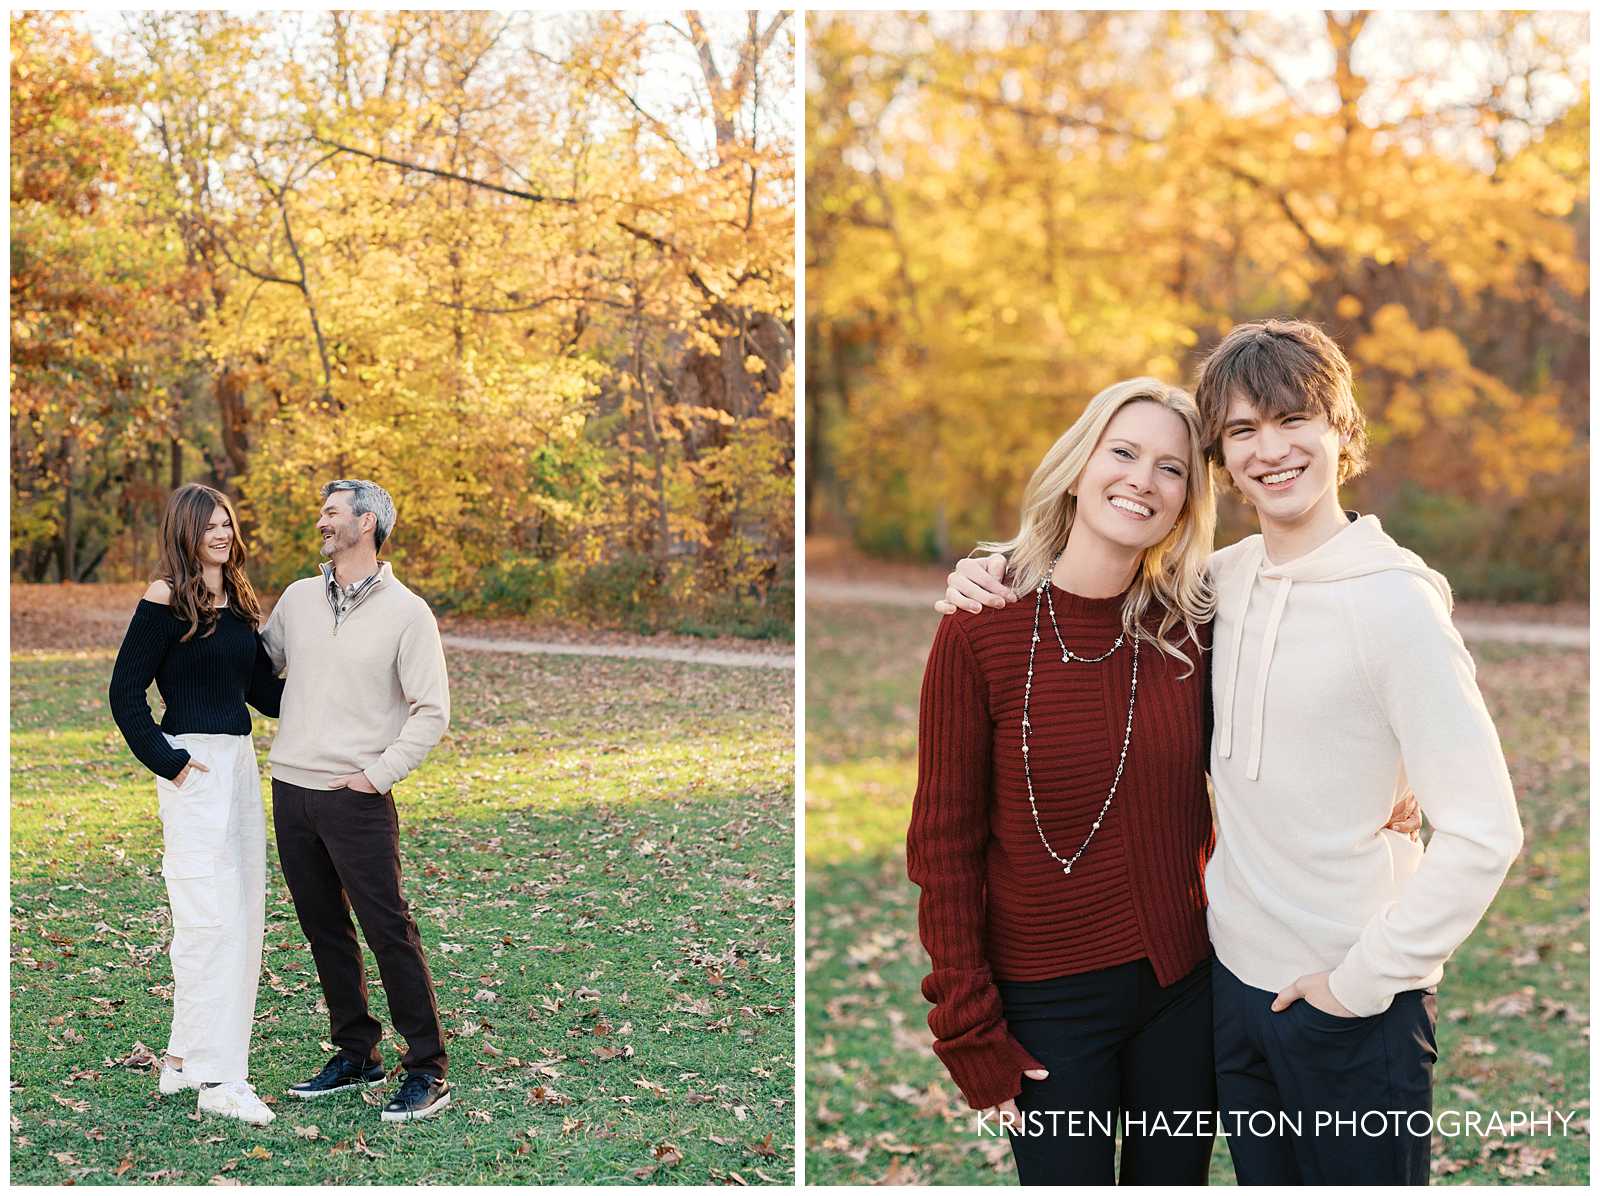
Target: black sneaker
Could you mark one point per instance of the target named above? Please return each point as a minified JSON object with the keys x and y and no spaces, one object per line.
{"x":340,"y":1074}
{"x":420,"y":1095}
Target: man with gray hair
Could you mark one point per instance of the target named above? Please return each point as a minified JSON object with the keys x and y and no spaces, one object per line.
{"x":366,"y":699}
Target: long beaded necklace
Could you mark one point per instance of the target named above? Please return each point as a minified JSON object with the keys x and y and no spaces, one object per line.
{"x":1068,"y":656}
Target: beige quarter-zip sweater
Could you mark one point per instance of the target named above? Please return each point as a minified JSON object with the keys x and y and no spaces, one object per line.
{"x":368,"y":695}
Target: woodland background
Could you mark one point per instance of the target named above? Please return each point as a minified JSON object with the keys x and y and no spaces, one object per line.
{"x":533,"y":273}
{"x":1007,"y":212}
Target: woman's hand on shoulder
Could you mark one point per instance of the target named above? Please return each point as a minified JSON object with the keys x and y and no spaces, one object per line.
{"x":159,"y":591}
{"x":976,"y":584}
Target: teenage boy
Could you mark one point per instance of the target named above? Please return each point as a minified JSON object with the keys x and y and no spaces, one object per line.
{"x":365,"y":701}
{"x":1337,"y":679}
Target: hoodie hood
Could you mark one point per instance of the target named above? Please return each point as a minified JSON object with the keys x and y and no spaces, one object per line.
{"x":1357,"y":550}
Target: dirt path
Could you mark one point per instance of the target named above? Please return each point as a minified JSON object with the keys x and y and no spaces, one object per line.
{"x":95,"y":616}
{"x":756,"y":660}
{"x":872,"y":593}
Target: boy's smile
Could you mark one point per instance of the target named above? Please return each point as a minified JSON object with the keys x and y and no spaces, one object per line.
{"x":1286,"y":466}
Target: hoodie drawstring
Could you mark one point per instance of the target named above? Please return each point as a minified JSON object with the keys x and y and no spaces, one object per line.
{"x":1247,"y":581}
{"x":1258,"y":710}
{"x":1360,"y":550}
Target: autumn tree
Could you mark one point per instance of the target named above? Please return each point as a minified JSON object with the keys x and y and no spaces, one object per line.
{"x":525,"y":270}
{"x":1007,"y":212}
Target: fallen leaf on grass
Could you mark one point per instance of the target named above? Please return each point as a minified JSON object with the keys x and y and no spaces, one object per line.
{"x":258,"y":1152}
{"x":1442,"y":1165}
{"x":66,"y":1102}
{"x":138,"y":1057}
{"x":1526,"y":1161}
{"x":763,"y":1147}
{"x":360,"y":1146}
{"x":309,"y":1132}
{"x":900,"y":1174}
{"x":1514,"y":1004}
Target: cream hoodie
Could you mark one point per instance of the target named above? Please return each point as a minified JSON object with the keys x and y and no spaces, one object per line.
{"x":1338,"y":678}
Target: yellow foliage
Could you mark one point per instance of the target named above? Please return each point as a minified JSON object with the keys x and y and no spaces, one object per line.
{"x":1007,"y":215}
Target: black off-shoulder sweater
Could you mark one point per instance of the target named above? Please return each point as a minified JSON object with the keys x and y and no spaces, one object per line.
{"x":205,"y":683}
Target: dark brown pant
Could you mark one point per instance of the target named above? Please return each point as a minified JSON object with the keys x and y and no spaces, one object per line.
{"x":340,"y":850}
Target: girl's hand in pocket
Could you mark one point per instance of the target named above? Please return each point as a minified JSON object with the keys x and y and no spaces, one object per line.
{"x":187,"y":768}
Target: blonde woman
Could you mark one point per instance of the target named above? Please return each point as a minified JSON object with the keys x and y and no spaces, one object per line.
{"x":1060,"y":829}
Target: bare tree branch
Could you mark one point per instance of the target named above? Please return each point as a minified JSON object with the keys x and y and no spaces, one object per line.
{"x":531,"y":196}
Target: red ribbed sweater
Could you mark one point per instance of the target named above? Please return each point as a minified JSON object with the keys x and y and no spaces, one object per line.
{"x":994,"y":905}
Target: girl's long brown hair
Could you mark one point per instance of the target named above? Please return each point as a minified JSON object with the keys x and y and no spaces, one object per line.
{"x":183,"y":529}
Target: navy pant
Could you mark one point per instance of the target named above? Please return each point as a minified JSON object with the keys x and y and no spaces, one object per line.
{"x":1116,"y":1044}
{"x":1310,"y":1098}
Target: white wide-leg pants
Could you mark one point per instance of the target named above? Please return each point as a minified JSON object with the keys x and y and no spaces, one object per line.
{"x":215,"y":864}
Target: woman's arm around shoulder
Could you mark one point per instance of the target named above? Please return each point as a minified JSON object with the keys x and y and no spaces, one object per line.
{"x":266,"y":686}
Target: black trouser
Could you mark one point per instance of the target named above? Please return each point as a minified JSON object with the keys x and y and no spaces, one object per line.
{"x":340,"y":850}
{"x":1310,"y":1098}
{"x":1116,"y":1044}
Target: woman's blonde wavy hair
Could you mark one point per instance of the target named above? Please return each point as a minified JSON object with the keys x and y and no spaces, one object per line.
{"x":1172,"y":575}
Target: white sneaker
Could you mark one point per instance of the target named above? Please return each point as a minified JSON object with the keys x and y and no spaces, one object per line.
{"x":235,"y":1099}
{"x":174,"y":1081}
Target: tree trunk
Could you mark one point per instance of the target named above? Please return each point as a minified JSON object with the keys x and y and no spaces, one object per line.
{"x":234,"y":419}
{"x":67,"y":543}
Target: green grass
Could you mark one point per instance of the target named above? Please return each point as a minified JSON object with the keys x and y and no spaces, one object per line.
{"x":600,"y":860}
{"x":1514,"y":1006}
